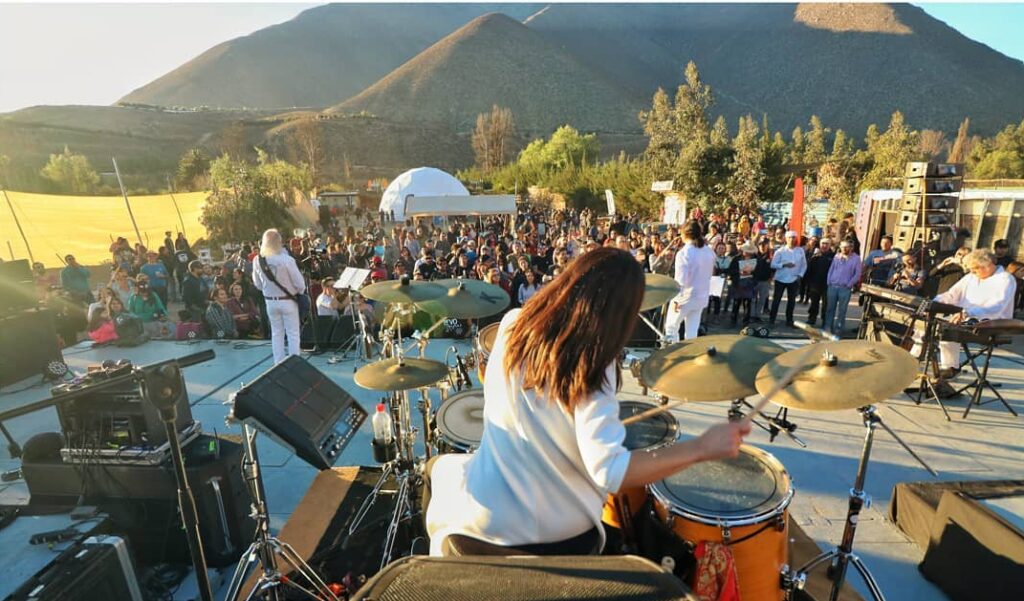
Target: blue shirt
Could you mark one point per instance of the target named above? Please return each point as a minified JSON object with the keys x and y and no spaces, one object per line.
{"x":157,"y":274}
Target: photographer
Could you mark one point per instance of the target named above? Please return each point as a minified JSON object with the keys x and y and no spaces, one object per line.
{"x":144,"y":303}
{"x":329,"y":301}
{"x":907,"y":277}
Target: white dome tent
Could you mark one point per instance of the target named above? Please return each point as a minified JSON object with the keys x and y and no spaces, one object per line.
{"x":422,"y":181}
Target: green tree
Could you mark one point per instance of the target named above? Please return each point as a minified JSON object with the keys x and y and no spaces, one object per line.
{"x":71,"y":173}
{"x":193,"y":170}
{"x":815,"y":143}
{"x":747,"y":178}
{"x":842,"y":147}
{"x":663,"y":141}
{"x":797,"y":146}
{"x":566,"y":147}
{"x":493,"y":137}
{"x":889,"y":153}
{"x":1000,"y":157}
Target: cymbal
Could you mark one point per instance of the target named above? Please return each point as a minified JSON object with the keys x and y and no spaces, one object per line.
{"x":467,"y":299}
{"x":387,"y":374}
{"x":841,"y":375}
{"x":402,"y":291}
{"x":659,"y":289}
{"x":709,"y":368}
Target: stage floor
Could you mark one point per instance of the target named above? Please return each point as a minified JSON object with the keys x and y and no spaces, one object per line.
{"x":985,"y":446}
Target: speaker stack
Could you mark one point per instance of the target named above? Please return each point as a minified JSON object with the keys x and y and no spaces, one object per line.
{"x":931,"y":195}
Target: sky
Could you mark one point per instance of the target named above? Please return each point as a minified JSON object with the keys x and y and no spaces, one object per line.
{"x":97,"y":53}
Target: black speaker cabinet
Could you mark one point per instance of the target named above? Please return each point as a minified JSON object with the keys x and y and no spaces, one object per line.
{"x":28,"y":341}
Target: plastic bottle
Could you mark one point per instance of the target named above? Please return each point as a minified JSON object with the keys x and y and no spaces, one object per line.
{"x":382,"y":431}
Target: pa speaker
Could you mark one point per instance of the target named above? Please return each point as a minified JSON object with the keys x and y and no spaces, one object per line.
{"x":28,"y":343}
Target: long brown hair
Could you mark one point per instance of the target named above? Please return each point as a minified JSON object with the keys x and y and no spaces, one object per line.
{"x":574,"y":327}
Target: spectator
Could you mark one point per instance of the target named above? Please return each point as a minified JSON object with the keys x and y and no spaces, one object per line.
{"x":327,"y":303}
{"x":144,"y":303}
{"x":123,"y":285}
{"x":192,"y":292}
{"x":817,"y":280}
{"x":156,"y":271}
{"x":75,"y":280}
{"x":218,"y":318}
{"x":949,"y":271}
{"x":1002,"y":253}
{"x":908,"y":277}
{"x":762,"y":279}
{"x":743,"y":284}
{"x":244,"y":310}
{"x":101,"y":327}
{"x":790,"y":264}
{"x":722,"y":264}
{"x":843,"y":276}
{"x":880,"y":262}
{"x":44,"y":283}
{"x":105,"y":294}
{"x":529,"y":288}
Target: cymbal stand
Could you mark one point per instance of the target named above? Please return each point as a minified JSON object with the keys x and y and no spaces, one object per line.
{"x":362,"y":342}
{"x":662,"y":339}
{"x":267,"y":548}
{"x":839,"y":558}
{"x":777,"y":424}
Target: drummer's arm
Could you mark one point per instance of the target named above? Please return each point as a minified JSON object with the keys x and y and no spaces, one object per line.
{"x":717,"y":442}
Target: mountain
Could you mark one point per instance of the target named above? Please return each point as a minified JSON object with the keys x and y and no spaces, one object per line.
{"x":495,"y":59}
{"x":321,"y":57}
{"x":851,"y":64}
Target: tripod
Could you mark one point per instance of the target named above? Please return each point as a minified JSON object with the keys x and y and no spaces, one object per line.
{"x":267,"y":548}
{"x":839,"y":558}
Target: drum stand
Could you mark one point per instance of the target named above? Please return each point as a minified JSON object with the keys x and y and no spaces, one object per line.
{"x":779,"y":424}
{"x":266,"y":549}
{"x":839,"y":558}
{"x":361,"y":343}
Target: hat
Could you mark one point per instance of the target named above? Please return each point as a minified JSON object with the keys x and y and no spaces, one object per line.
{"x":791,"y":234}
{"x":749,"y":247}
{"x":379,"y":274}
{"x":376,"y":260}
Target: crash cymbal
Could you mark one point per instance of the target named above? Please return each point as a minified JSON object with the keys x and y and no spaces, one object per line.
{"x":839,"y":375}
{"x":658,"y":290}
{"x":709,"y":368}
{"x":467,"y":299}
{"x":402,"y":291}
{"x":387,"y":374}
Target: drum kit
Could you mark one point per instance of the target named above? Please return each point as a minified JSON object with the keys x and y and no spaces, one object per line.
{"x":741,"y":503}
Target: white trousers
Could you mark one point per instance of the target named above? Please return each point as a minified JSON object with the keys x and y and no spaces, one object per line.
{"x":284,"y":323}
{"x":677,"y":314}
{"x":949,"y":353}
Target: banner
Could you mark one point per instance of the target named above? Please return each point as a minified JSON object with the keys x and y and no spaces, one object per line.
{"x":796,"y":216}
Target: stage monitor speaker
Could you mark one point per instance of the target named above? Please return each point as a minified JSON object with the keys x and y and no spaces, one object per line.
{"x":142,"y":500}
{"x":325,"y":325}
{"x":28,"y":343}
{"x":342,"y":332}
{"x":583,"y":578}
{"x":17,"y":286}
{"x":302,"y":409}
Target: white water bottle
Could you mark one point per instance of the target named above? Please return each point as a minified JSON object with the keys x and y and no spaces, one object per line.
{"x":382,"y":433}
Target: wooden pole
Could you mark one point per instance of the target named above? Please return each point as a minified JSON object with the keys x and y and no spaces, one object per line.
{"x":20,"y":231}
{"x":120,"y":184}
{"x":10,"y":249}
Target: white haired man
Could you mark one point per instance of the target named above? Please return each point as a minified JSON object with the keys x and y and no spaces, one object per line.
{"x":275,"y":273}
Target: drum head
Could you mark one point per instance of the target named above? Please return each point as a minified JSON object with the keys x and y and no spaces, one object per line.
{"x":650,"y":433}
{"x":461,"y":418}
{"x":751,"y":485}
{"x":488,"y":336}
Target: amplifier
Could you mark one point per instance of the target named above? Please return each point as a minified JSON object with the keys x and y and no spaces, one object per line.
{"x":117,"y":418}
{"x":99,"y":568}
{"x":298,"y":406}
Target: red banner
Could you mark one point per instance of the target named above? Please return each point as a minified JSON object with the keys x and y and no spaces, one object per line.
{"x":796,"y":216}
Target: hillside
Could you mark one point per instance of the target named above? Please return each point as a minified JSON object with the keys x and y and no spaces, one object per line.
{"x":494,"y":59}
{"x":321,"y":57}
{"x":852,"y":64}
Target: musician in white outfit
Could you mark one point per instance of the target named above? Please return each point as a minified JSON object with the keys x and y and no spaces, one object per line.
{"x":282,"y":311}
{"x":695,"y":264}
{"x":986,"y":292}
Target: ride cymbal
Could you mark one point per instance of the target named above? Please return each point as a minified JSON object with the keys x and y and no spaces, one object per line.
{"x":402,"y":291}
{"x":388,"y":374}
{"x":839,"y":375}
{"x":658,"y":290}
{"x":467,"y":299}
{"x":709,"y":368}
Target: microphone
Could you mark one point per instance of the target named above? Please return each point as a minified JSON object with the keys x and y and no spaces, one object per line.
{"x":462,"y":370}
{"x":815,"y":334}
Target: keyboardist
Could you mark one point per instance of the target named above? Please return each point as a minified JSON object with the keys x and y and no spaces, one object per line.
{"x":986,"y":292}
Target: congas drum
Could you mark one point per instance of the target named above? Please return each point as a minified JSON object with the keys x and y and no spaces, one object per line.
{"x":655,"y":431}
{"x":740,"y":502}
{"x":460,"y":422}
{"x":485,"y":344}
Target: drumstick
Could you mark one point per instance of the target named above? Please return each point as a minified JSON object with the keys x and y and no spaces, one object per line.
{"x":784,"y":381}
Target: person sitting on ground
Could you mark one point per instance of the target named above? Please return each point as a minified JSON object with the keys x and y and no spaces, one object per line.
{"x":327,"y":303}
{"x":144,"y":303}
{"x":192,"y":292}
{"x":122,"y":284}
{"x":244,"y":310}
{"x":218,"y":318}
{"x":101,"y":327}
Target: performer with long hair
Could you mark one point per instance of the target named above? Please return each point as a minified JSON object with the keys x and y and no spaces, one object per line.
{"x":552,"y":446}
{"x":695,"y":264}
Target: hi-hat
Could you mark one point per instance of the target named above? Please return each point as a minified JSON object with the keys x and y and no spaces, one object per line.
{"x":467,"y":299}
{"x":658,"y":290}
{"x":412,"y":373}
{"x":709,"y":368}
{"x":402,"y":291}
{"x":840,"y":375}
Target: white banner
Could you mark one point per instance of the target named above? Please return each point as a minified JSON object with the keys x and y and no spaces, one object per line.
{"x":610,"y":198}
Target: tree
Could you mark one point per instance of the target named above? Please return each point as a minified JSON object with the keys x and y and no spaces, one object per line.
{"x":493,"y":137}
{"x":663,"y":141}
{"x":567,"y":147}
{"x":960,"y":150}
{"x":842,"y":147}
{"x":797,"y":146}
{"x":193,"y":170}
{"x":890,"y":152}
{"x":747,"y":178}
{"x":1001,"y":157}
{"x":233,"y":141}
{"x":307,"y":145}
{"x":71,"y":173}
{"x":815,"y":141}
{"x":933,"y":144}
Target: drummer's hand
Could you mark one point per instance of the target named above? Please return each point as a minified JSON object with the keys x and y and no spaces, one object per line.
{"x":723,"y":441}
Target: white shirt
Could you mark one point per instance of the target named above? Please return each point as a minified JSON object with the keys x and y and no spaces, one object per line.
{"x":540,"y":474}
{"x":797,"y":256}
{"x":323,"y":305}
{"x":285,"y":270}
{"x":991,"y":298}
{"x":694,"y":267}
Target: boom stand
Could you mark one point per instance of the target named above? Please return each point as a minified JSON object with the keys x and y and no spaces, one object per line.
{"x":839,"y":558}
{"x":267,"y":548}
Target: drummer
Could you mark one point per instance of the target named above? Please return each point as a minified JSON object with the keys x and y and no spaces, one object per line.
{"x":552,"y":446}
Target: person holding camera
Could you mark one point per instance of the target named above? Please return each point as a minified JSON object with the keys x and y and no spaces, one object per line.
{"x":907,"y":276}
{"x":145,"y":303}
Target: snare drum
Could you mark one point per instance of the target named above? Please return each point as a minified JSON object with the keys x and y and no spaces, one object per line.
{"x":460,"y":422}
{"x":655,"y":431}
{"x":485,"y":344}
{"x":742,"y":502}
